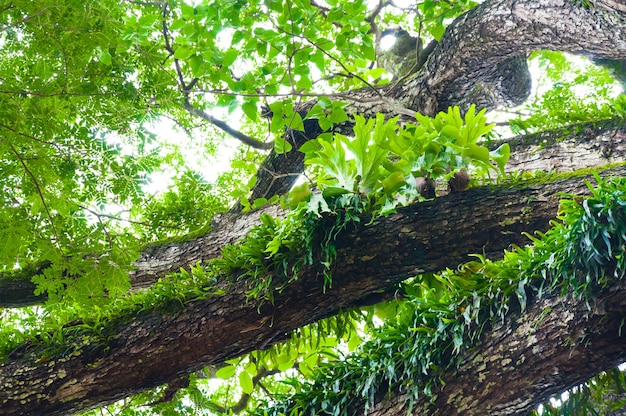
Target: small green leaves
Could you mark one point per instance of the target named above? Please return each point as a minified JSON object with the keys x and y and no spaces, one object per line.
{"x":284,"y":115}
{"x":328,"y":113}
{"x":281,"y":145}
{"x":501,"y":156}
{"x":442,"y":314}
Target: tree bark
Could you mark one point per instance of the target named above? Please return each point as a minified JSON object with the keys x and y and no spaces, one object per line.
{"x":158,"y":347}
{"x":558,"y":343}
{"x":577,"y":146}
{"x":574,"y":147}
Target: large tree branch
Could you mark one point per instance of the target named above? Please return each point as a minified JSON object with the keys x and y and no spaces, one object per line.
{"x":481,"y":60}
{"x":476,"y":45}
{"x":567,"y":149}
{"x":155,"y":261}
{"x":557,"y":344}
{"x":157,"y":347}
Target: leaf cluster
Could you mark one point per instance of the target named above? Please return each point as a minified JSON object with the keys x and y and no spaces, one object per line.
{"x":382,"y":161}
{"x":559,"y":100}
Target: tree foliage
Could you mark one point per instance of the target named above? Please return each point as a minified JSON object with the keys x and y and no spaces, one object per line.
{"x":115,"y":117}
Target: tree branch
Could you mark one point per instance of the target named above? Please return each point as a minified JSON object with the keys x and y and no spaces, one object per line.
{"x":572,"y":147}
{"x":245,"y":139}
{"x":158,"y":346}
{"x":559,"y":342}
{"x":188,"y":88}
{"x":480,"y":60}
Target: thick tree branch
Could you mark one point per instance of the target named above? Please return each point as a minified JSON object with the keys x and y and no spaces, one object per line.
{"x":479,"y":42}
{"x":557,"y":344}
{"x":578,"y":146}
{"x":566,"y":149}
{"x":157,"y":347}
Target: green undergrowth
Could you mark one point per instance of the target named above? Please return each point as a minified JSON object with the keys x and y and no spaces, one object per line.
{"x":440,"y":318}
{"x":375,"y":179}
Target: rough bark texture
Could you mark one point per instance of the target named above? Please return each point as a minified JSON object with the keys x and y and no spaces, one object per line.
{"x":554,"y":345}
{"x":515,"y":365}
{"x":159,"y":347}
{"x":574,"y":147}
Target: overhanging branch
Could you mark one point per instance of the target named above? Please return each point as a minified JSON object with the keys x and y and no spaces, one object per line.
{"x":243,"y":138}
{"x":157,"y":347}
{"x":573,"y":147}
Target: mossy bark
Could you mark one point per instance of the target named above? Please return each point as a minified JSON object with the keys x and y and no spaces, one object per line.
{"x":559,"y":342}
{"x":158,"y":347}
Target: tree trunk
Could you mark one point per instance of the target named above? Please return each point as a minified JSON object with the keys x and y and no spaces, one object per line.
{"x":158,"y":347}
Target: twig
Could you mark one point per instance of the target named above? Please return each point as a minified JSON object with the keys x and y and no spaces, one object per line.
{"x":245,"y":139}
{"x":39,"y":192}
{"x":42,"y":11}
{"x":113,"y":217}
{"x":187,"y":88}
{"x":352,"y":74}
{"x":32,"y":137}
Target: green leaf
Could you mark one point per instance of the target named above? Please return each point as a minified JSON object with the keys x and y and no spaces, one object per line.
{"x":196,"y":64}
{"x":477,"y":152}
{"x":298,"y":194}
{"x":295,"y":122}
{"x":105,"y":57}
{"x":450,"y":132}
{"x":437,"y":31}
{"x":501,"y":155}
{"x":245,"y":381}
{"x":393,"y":182}
{"x":226,"y":372}
{"x":183,"y":52}
{"x":229,"y":57}
{"x":250,"y":109}
{"x":331,"y":192}
{"x":281,"y":145}
{"x":338,"y":115}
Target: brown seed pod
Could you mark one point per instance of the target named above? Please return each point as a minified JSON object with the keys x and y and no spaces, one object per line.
{"x":426,"y":187}
{"x":459,"y":181}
